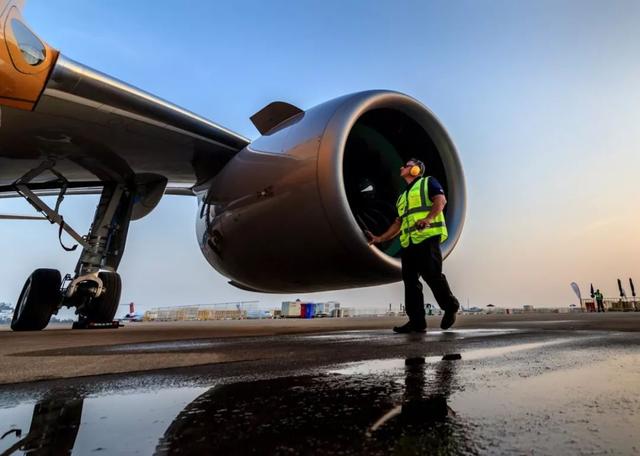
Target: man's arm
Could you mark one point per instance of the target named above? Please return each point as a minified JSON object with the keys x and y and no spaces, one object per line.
{"x":391,"y":232}
{"x":439,"y":202}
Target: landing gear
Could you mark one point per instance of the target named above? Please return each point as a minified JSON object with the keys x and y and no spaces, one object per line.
{"x":39,"y":299}
{"x":103,"y":308}
{"x":94,"y":288}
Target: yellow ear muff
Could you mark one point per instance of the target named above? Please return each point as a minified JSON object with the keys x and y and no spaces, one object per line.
{"x":415,"y":170}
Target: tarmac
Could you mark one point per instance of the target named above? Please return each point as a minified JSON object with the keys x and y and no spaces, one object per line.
{"x":494,"y":384}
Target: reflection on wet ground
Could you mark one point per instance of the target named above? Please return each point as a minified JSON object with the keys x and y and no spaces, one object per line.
{"x":496,"y":393}
{"x":55,"y":423}
{"x":329,"y":414}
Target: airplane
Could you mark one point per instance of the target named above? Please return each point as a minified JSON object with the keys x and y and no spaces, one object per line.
{"x":283,"y":213}
{"x":6,"y":312}
{"x":132,"y":315}
{"x":259,"y":314}
{"x":473,"y":309}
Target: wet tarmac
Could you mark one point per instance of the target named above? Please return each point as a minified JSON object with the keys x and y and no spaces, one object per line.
{"x":468,"y":391}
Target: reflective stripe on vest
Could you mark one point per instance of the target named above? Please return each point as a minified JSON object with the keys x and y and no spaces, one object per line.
{"x":414,"y":205}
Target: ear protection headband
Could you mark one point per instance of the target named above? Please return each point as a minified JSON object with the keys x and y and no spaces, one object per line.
{"x":417,"y":169}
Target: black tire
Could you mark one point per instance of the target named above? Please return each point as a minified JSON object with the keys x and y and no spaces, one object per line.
{"x":103,"y":308}
{"x":38,"y":300}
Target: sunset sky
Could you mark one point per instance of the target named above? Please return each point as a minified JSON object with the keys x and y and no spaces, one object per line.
{"x":541,"y":98}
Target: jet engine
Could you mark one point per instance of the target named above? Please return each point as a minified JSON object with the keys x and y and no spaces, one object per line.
{"x":288,"y":213}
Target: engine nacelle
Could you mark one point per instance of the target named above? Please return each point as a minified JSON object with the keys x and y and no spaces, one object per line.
{"x":287,"y":213}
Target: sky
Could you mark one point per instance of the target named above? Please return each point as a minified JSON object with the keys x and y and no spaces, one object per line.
{"x":541,"y":98}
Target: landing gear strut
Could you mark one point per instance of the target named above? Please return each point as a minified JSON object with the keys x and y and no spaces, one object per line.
{"x":94,"y":288}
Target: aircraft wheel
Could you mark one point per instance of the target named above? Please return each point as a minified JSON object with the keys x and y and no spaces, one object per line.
{"x":103,"y":308}
{"x":38,"y":300}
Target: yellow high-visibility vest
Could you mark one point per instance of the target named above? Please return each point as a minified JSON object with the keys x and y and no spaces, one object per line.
{"x":414,"y":205}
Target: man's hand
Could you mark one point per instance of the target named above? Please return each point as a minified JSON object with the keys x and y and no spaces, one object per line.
{"x":372,"y":238}
{"x":391,"y":232}
{"x":423,"y":224}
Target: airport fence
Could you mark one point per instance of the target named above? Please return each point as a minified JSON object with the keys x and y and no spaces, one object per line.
{"x":612,"y":304}
{"x":241,"y":310}
{"x":236,"y":310}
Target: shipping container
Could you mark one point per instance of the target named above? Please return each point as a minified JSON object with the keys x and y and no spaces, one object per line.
{"x":310,"y":311}
{"x":291,"y":309}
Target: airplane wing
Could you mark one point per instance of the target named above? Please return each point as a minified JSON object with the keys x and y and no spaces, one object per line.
{"x":317,"y":178}
{"x":91,"y":127}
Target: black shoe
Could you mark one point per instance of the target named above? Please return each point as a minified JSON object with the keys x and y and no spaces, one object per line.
{"x":420,"y":328}
{"x":409,"y":328}
{"x":449,"y":317}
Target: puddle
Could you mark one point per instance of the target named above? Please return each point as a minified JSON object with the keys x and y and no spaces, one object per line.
{"x":342,"y":335}
{"x":552,"y":322}
{"x":462,"y":334}
{"x":476,"y":332}
{"x":62,"y":422}
{"x":394,"y":367}
{"x":316,"y":414}
{"x":402,"y":408}
{"x":568,"y":400}
{"x":505,"y":350}
{"x":324,"y":414}
{"x":175,"y":346}
{"x":345,"y":336}
{"x":379,"y":366}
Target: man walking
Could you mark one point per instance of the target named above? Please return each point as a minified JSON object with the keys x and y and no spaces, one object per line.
{"x":421,"y":226}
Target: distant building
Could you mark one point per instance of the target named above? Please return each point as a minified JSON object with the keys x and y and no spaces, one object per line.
{"x":218,"y":311}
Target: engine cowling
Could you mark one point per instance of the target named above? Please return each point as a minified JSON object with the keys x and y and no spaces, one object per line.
{"x":287,"y":213}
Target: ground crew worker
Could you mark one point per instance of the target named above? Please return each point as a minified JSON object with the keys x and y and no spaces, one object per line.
{"x":599,"y":300}
{"x":421,"y":226}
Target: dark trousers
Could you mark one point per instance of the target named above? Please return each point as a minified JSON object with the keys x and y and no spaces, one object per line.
{"x":600,"y":305}
{"x":424,"y":260}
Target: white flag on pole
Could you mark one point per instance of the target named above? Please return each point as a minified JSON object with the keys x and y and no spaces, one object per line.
{"x":576,"y":289}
